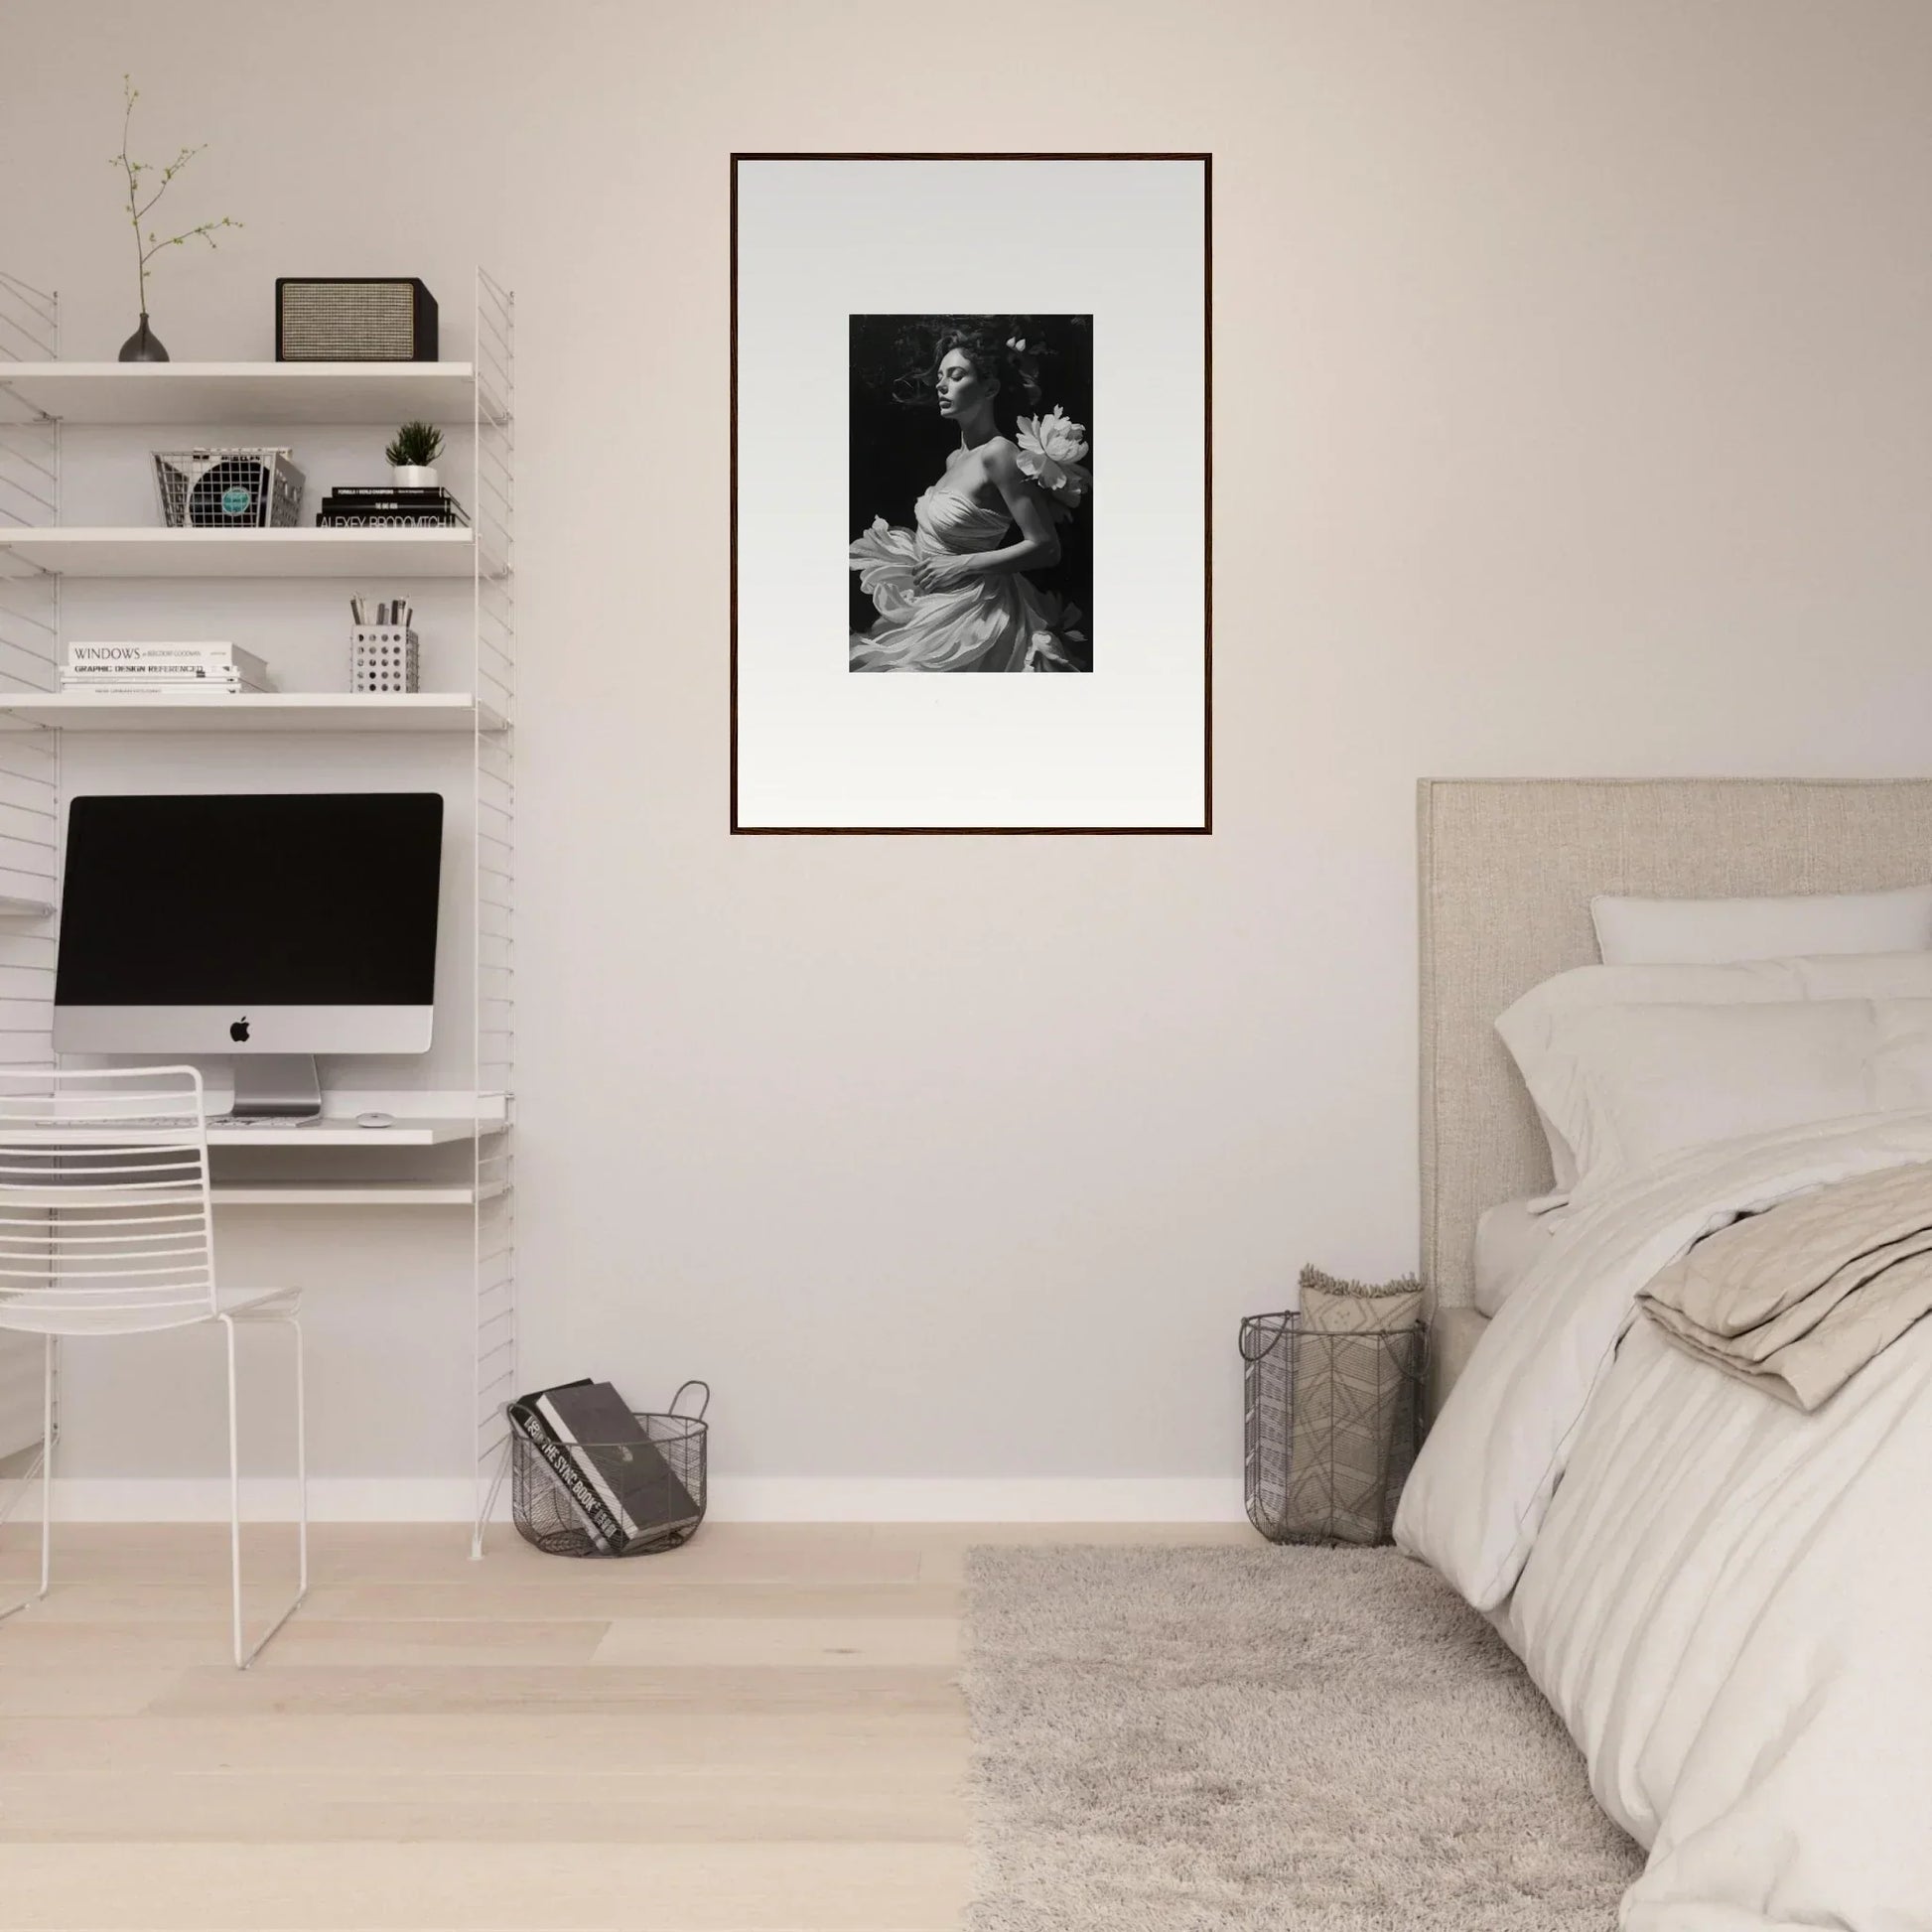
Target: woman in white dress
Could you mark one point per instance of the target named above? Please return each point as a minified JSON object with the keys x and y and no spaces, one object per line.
{"x":952,"y":593}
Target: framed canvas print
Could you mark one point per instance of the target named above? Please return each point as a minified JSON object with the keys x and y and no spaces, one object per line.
{"x":971,"y":493}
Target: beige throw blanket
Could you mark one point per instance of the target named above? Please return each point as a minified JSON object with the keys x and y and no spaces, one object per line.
{"x":1797,"y":1300}
{"x":1348,"y":1395}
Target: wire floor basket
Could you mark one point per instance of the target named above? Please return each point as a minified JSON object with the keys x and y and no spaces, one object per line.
{"x":1333,"y":1425}
{"x":547,"y":1514}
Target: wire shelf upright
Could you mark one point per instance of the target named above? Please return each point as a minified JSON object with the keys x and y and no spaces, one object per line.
{"x":493,"y":501}
{"x":30,"y":782}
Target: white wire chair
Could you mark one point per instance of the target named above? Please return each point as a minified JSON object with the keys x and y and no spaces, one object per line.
{"x":106,"y":1229}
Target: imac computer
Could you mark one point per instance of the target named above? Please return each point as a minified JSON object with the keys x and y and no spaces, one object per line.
{"x":269,"y":926}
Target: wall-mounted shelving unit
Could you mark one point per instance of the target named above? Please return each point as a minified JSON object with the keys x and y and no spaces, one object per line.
{"x":40,"y":396}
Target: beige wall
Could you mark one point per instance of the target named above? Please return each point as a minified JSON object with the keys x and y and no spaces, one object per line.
{"x":1573,"y":405}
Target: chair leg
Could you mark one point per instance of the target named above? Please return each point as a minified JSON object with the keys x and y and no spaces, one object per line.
{"x":301,"y":1461}
{"x":46,"y":1472}
{"x":244,"y":1654}
{"x":47,"y":1463}
{"x":488,"y":1508}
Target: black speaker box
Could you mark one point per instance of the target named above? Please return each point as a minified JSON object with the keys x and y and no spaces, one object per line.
{"x":354,"y":319}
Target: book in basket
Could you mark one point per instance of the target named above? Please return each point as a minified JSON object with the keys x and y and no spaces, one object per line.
{"x":632,"y":1480}
{"x":602,"y":1526}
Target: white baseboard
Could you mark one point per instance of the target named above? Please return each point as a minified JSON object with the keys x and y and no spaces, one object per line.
{"x":734,"y":1499}
{"x":972,"y":1499}
{"x":264,"y":1500}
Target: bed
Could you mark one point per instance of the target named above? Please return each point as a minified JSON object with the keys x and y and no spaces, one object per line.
{"x":1723,"y":1598}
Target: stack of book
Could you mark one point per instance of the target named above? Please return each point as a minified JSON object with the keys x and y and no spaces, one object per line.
{"x":388,"y":506}
{"x":617,"y":1478}
{"x":207,"y":670}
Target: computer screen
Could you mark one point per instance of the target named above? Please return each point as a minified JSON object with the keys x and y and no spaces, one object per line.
{"x":280,"y":922}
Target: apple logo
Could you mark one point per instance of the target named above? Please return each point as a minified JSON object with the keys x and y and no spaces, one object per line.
{"x":239,"y":1030}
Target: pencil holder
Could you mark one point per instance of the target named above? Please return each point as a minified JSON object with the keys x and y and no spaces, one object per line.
{"x":383,"y":658}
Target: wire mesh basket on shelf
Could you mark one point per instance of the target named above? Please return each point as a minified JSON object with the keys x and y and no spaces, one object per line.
{"x":227,"y":489}
{"x":1333,"y":1425}
{"x":564,"y":1507}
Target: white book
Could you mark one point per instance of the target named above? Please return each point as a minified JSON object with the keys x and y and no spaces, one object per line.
{"x":91,"y":655}
{"x":96,"y":658}
{"x":115,"y":648}
{"x":89,"y":679}
{"x":95,"y":687}
{"x":163,"y":674}
{"x":167,"y":674}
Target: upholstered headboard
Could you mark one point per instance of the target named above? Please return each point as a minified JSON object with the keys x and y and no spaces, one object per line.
{"x":1507,"y":869}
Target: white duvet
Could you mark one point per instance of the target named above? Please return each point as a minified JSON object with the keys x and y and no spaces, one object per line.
{"x":1729,"y":1601}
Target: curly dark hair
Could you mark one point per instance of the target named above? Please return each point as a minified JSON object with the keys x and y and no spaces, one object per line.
{"x":985,"y":341}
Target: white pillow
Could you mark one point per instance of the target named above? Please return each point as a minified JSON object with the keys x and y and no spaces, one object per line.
{"x":1708,"y":931}
{"x":1629,"y":1085}
{"x":1511,"y":1238}
{"x":1526,"y":1028}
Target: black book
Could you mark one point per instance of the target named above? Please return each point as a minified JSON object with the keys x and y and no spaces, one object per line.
{"x":449,"y":511}
{"x":528,"y":1419}
{"x":420,"y":512}
{"x":364,"y":518}
{"x":626,"y":1467}
{"x":404,"y":492}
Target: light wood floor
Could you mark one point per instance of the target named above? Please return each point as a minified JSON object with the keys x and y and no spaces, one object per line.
{"x":758,"y":1733}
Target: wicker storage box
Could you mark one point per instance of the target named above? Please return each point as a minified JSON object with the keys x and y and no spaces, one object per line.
{"x":1333,"y":1425}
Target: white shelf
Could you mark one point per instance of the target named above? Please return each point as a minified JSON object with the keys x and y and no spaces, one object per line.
{"x":274,"y":711}
{"x":429,"y":1131}
{"x":74,"y":551}
{"x":348,"y":1194}
{"x":423,"y":1131}
{"x":374,"y":393}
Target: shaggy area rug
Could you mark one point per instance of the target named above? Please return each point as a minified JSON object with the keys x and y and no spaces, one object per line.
{"x":1299,"y":1739}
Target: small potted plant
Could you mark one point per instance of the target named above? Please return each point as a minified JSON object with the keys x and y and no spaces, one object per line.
{"x":411,"y":455}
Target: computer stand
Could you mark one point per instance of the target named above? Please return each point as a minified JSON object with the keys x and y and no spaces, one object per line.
{"x":276,"y":1086}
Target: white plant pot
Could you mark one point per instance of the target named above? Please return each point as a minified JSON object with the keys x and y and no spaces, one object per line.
{"x":413,"y":476}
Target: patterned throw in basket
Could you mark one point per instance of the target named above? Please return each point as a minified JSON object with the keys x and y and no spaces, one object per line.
{"x":1333,"y":1410}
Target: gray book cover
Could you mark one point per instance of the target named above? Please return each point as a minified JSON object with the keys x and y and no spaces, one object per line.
{"x":628,"y":1469}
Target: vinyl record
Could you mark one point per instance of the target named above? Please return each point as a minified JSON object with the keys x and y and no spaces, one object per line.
{"x":229,"y":493}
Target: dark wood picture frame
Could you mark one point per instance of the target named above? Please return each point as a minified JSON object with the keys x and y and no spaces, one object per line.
{"x":1206,"y":825}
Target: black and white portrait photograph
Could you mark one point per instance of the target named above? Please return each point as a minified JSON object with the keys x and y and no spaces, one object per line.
{"x":971,"y":485}
{"x":976,"y":391}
